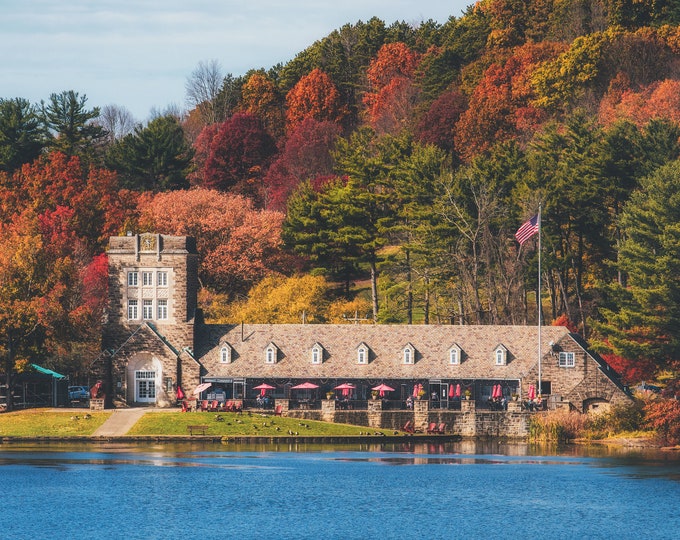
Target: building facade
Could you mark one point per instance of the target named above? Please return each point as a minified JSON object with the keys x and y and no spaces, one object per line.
{"x":155,"y":341}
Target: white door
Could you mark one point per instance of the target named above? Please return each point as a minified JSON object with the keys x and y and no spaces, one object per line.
{"x":145,"y":386}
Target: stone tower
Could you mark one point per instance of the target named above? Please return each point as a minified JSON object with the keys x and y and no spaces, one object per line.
{"x":148,"y":337}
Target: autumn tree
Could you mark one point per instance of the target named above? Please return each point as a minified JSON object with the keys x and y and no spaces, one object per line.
{"x":305,"y":155}
{"x":203,"y":89}
{"x":314,"y":96}
{"x":238,"y":245}
{"x":238,"y":156}
{"x":260,"y":97}
{"x":436,"y":126}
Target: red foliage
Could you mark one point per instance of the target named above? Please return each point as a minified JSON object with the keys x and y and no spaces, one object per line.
{"x":660,"y":99}
{"x":437,"y":124}
{"x":563,"y":320}
{"x":238,"y":156}
{"x":631,"y":371}
{"x":201,"y":152}
{"x":663,"y":415}
{"x":314,"y":96}
{"x":305,"y":155}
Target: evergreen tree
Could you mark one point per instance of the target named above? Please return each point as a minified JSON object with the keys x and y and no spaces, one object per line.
{"x":22,"y":135}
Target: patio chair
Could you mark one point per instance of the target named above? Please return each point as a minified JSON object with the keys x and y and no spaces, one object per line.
{"x":238,"y":407}
{"x":214,"y":406}
{"x":204,"y":405}
{"x":278,"y":411}
{"x":432,"y":427}
{"x":408,"y":427}
{"x":441,"y":428}
{"x":185,"y":406}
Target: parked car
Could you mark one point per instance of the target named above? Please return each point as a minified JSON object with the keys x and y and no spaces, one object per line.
{"x":78,"y":393}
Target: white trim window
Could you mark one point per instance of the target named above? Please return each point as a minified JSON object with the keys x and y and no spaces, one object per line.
{"x":162,"y":309}
{"x":501,"y":355}
{"x":133,"y":279}
{"x":161,"y":278}
{"x":147,"y":279}
{"x":147,"y":309}
{"x":362,"y":354}
{"x":454,"y":356}
{"x":317,"y":354}
{"x":409,"y":354}
{"x":270,"y":354}
{"x":566,"y":359}
{"x":132,"y":307}
{"x":225,"y":354}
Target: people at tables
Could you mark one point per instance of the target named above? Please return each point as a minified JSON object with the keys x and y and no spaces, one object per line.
{"x":409,"y":402}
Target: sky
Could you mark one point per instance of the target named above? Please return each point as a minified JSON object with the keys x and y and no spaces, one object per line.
{"x":138,"y":54}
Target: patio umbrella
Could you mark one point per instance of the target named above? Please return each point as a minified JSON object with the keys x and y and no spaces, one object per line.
{"x":263,"y":388}
{"x":180,"y":393}
{"x":201,"y":387}
{"x":382,"y":388}
{"x":495,"y":393}
{"x":345,"y":387}
{"x":458,"y":390}
{"x":305,"y":386}
{"x":532,"y":392}
{"x":452,"y":391}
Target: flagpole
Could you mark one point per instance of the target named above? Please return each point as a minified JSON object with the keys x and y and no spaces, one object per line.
{"x":538,"y":300}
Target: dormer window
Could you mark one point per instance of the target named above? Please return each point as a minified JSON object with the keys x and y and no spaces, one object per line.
{"x":271,"y":354}
{"x":317,"y":354}
{"x":409,"y":354}
{"x":362,"y":354}
{"x":225,"y":354}
{"x":454,"y":355}
{"x":501,"y":355}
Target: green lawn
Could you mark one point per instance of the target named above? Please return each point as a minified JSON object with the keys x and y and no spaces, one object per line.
{"x":233,"y":424}
{"x":49,"y":423}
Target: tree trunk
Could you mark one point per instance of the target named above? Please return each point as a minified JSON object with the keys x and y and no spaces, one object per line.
{"x":374,"y":290}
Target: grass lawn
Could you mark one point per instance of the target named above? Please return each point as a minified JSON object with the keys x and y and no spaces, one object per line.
{"x":233,"y":424}
{"x":50,"y":423}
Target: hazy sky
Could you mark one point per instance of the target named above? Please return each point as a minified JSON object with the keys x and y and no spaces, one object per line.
{"x":139,"y":53}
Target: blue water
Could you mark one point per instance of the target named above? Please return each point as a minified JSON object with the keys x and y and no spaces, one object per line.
{"x":431,"y":492}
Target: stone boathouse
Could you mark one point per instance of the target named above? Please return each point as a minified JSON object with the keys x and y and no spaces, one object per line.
{"x":155,"y":341}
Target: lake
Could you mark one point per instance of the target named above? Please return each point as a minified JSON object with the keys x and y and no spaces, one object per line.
{"x":415,"y":490}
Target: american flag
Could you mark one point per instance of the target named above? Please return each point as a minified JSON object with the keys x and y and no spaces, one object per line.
{"x":527,"y":230}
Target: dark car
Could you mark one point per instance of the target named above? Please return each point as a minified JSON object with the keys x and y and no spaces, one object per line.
{"x":78,"y":393}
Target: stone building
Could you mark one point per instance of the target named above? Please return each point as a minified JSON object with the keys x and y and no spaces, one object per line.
{"x":155,"y":340}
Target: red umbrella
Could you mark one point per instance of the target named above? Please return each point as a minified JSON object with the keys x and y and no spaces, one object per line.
{"x":305,"y":386}
{"x":458,"y":390}
{"x":532,"y":392}
{"x":415,"y":390}
{"x":452,"y":391}
{"x":382,"y":388}
{"x":180,"y":393}
{"x":496,"y":390}
{"x":201,"y":387}
{"x":263,"y":388}
{"x":345,"y":386}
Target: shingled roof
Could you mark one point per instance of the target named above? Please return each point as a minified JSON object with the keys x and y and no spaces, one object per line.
{"x":386,"y":344}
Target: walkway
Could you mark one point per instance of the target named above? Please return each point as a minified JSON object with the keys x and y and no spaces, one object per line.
{"x":120,"y":422}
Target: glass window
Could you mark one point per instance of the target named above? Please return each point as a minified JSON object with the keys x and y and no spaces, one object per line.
{"x":147,"y":279}
{"x":567,"y":359}
{"x":162,"y":309}
{"x":271,"y":355}
{"x":361,"y":355}
{"x":147,"y":309}
{"x":132,"y":279}
{"x":500,"y":357}
{"x":162,"y":279}
{"x":453,"y":356}
{"x":132,"y":310}
{"x":408,"y":356}
{"x":316,"y":355}
{"x":225,"y":354}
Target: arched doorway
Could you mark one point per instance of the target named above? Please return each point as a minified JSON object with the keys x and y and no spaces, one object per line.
{"x":144,"y":377}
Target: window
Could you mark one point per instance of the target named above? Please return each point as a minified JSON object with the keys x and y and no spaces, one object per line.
{"x":316,"y":354}
{"x":147,"y":279}
{"x":501,"y":356}
{"x":162,"y":310}
{"x":408,"y":355}
{"x":567,"y":359}
{"x":225,"y":354}
{"x":145,"y":386}
{"x":162,"y":279}
{"x":147,"y":309}
{"x":132,"y":279}
{"x":270,"y":355}
{"x":454,"y":356}
{"x":132,"y":310}
{"x":362,"y":355}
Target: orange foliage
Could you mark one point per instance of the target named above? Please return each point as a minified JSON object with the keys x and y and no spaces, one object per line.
{"x":314,"y":96}
{"x":563,"y":320}
{"x":664,"y":417}
{"x":259,"y":96}
{"x":631,"y":371}
{"x":660,"y":99}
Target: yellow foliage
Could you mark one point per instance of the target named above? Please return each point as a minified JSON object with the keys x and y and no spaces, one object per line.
{"x":341,"y":311}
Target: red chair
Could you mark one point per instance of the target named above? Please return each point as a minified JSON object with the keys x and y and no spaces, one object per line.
{"x":432,"y":428}
{"x":278,"y":411}
{"x":185,"y":406}
{"x":204,"y":405}
{"x":408,"y":427}
{"x":441,"y":428}
{"x":214,"y":406}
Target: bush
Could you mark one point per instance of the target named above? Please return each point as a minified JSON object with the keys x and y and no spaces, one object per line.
{"x":663,"y":415}
{"x":560,"y":425}
{"x":620,"y":418}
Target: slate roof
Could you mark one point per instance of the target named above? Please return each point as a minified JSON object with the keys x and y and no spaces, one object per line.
{"x":386,"y":344}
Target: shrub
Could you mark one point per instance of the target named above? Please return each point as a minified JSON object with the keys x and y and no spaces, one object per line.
{"x":560,"y":425}
{"x":663,"y":415}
